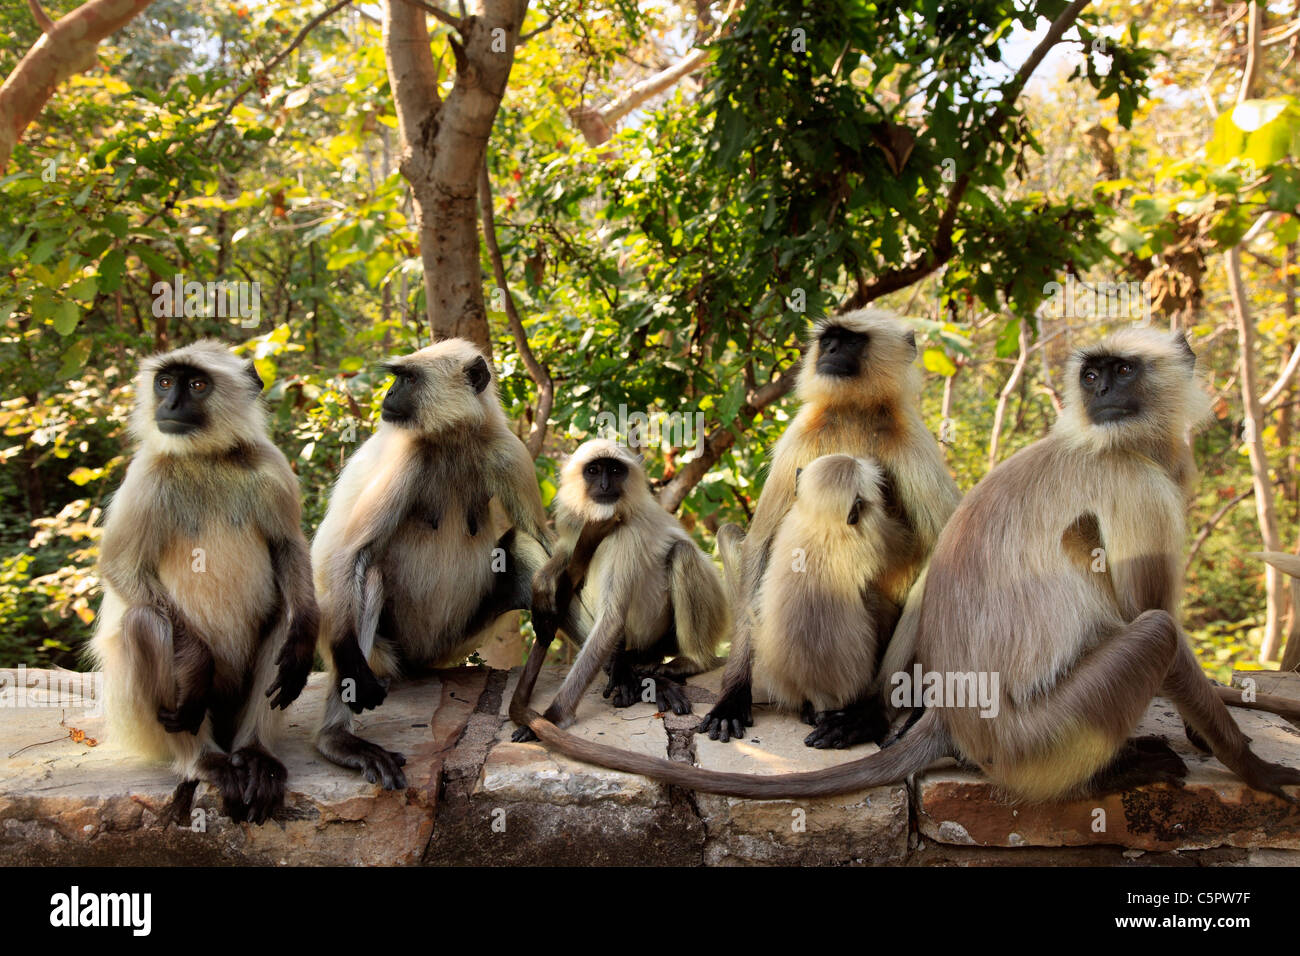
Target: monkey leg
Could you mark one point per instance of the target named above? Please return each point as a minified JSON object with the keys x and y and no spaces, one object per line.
{"x":863,"y":721}
{"x":179,"y":808}
{"x":1140,"y":761}
{"x":1207,"y":716}
{"x":1055,"y":743}
{"x":337,"y":744}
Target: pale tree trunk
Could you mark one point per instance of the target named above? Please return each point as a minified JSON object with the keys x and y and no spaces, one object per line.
{"x":441,"y":145}
{"x":1265,"y":507}
{"x":66,"y":47}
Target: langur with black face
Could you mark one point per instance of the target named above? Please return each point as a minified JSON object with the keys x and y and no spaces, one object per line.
{"x":859,"y":389}
{"x":626,"y":582}
{"x":409,"y":566}
{"x":1015,"y":588}
{"x":208,"y":602}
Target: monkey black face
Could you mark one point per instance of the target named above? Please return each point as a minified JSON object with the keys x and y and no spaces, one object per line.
{"x":858,"y":508}
{"x":605,"y":477}
{"x":180,"y":392}
{"x":1112,"y":387}
{"x":839,"y":352}
{"x":401,"y":401}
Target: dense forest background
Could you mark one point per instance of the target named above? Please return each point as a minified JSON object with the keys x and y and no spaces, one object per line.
{"x":644,"y":205}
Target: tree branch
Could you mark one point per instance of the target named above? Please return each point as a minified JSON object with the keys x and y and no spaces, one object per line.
{"x":453,"y":21}
{"x":538,"y":372}
{"x":941,"y":248}
{"x":42,"y":18}
{"x":721,"y":438}
{"x":65,"y":48}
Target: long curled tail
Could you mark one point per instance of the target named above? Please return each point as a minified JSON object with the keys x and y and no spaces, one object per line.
{"x":926,"y":743}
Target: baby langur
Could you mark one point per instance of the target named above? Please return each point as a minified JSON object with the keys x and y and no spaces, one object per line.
{"x":649,"y":591}
{"x":409,"y":566}
{"x":823,"y":619}
{"x":859,"y":387}
{"x":1060,"y":574}
{"x":208,"y":602}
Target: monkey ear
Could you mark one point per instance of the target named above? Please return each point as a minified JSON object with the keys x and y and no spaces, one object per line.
{"x":911,"y":340}
{"x":855,"y":512}
{"x":254,"y":379}
{"x":1181,"y":343}
{"x":478,"y":374}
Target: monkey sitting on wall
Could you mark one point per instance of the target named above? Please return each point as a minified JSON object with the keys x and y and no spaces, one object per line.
{"x":408,"y":565}
{"x":859,"y":386}
{"x":823,"y":619}
{"x":208,"y":602}
{"x":1014,"y":589}
{"x":649,"y":591}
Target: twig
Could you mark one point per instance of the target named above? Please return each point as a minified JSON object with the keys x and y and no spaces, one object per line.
{"x":1209,"y":524}
{"x":538,"y":372}
{"x":453,"y":21}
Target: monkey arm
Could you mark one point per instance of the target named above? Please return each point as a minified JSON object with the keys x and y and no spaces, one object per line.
{"x":515,"y":486}
{"x":604,"y":637}
{"x":292,"y":568}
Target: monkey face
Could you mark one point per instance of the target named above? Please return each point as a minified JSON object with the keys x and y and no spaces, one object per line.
{"x":440,"y":387}
{"x":839,"y":351}
{"x":605,"y":478}
{"x":1112,"y":387}
{"x":180,"y":393}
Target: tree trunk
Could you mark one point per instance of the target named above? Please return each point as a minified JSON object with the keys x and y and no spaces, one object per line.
{"x":441,"y":146}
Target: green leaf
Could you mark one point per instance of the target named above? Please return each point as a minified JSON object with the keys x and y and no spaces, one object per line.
{"x":110,"y":270}
{"x":1009,"y":340}
{"x":66,"y":316}
{"x":74,"y":360}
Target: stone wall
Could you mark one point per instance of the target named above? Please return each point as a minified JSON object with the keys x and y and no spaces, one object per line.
{"x":474,"y":797}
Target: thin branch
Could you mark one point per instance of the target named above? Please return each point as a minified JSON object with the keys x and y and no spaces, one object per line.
{"x":538,"y":372}
{"x":1208,"y":526}
{"x":453,"y":21}
{"x":275,"y":61}
{"x":1012,"y":382}
{"x":1283,"y":379}
{"x":42,"y":18}
{"x":525,"y":37}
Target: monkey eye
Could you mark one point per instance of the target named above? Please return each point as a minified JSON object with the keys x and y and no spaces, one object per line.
{"x":165,"y":382}
{"x":592,"y":471}
{"x":198,"y":385}
{"x":1124,"y":368}
{"x":1090,"y":375}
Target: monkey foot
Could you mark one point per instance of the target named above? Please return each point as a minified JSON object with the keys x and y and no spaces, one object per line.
{"x":261,"y":782}
{"x":837,"y":729}
{"x":178,"y":809}
{"x":523,"y":735}
{"x":668,"y":694}
{"x":807,"y":714}
{"x":1141,"y":761}
{"x":729,"y":716}
{"x":376,"y":764}
{"x":1269,"y":777}
{"x":623,"y":686}
{"x":366,"y":692}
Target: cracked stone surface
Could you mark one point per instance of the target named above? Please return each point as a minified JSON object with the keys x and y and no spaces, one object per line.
{"x":476,"y":798}
{"x":62,"y":802}
{"x":866,"y":826}
{"x":1213,"y":809}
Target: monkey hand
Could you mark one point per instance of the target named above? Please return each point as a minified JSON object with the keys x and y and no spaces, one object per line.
{"x":523,"y":735}
{"x":1265,"y":776}
{"x":187,"y":716}
{"x":260,"y":781}
{"x":295,"y":662}
{"x":729,"y":716}
{"x":358,"y":685}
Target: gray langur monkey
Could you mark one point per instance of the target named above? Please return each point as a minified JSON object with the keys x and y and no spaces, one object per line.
{"x":823,"y":619}
{"x":859,"y":389}
{"x":628,"y":583}
{"x":409,"y":568}
{"x":1015,"y":588}
{"x":209,"y":622}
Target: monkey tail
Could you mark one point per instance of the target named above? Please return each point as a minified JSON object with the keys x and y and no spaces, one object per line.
{"x":926,"y":743}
